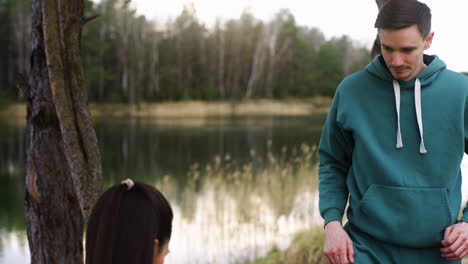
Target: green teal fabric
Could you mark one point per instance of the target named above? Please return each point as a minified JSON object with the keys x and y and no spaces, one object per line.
{"x":369,"y":251}
{"x":396,"y":196}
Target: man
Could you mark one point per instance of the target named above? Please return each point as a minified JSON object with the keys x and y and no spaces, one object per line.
{"x":392,"y":143}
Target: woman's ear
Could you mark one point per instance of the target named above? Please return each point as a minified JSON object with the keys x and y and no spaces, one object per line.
{"x":156,"y":244}
{"x":160,"y":250}
{"x":156,"y":252}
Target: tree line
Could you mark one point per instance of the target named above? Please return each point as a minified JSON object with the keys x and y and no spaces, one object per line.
{"x":130,"y":59}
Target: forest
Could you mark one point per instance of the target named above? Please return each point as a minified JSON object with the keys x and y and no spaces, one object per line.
{"x":131,"y":59}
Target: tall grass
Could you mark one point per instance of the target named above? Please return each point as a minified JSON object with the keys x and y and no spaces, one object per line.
{"x":240,"y":209}
{"x":305,"y":248}
{"x":273,"y":179}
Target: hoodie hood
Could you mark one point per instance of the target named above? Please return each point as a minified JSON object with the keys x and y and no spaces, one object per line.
{"x":379,"y":69}
{"x":434,"y":64}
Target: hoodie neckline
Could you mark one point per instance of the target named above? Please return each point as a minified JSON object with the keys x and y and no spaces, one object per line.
{"x":434,"y":64}
{"x":379,"y":69}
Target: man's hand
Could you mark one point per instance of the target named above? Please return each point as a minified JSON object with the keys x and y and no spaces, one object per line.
{"x":455,"y":241}
{"x":338,"y":246}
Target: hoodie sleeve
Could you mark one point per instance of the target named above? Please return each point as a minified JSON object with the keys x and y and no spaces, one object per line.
{"x":465,"y":210}
{"x":335,"y":152}
{"x":465,"y":114}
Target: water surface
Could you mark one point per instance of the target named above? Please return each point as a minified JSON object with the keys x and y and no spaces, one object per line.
{"x":238,"y":186}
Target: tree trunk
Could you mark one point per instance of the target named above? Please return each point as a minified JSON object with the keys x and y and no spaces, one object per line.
{"x":22,"y":42}
{"x":380,"y":3}
{"x":221,"y":50}
{"x":180,"y":65}
{"x":154,"y":69}
{"x":101,"y":94}
{"x":63,"y":170}
{"x":258,"y":63}
{"x":272,"y":42}
{"x":376,"y":50}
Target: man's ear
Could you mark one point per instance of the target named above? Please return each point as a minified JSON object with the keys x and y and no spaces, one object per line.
{"x":428,"y":40}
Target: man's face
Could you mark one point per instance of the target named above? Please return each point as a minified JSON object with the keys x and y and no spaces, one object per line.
{"x":403,"y":49}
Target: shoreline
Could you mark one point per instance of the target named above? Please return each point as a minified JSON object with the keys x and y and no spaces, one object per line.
{"x":195,"y":109}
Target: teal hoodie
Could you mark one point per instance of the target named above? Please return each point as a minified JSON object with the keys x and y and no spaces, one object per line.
{"x":402,"y":176}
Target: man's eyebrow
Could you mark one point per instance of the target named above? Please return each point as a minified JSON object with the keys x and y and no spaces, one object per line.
{"x":409,"y":48}
{"x":385,"y":46}
{"x":402,"y":48}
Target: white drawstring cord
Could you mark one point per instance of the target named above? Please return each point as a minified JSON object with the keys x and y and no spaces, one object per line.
{"x":396,"y":89}
{"x":417,"y":102}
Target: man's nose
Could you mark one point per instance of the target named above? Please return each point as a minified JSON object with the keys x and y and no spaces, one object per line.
{"x":397,"y":59}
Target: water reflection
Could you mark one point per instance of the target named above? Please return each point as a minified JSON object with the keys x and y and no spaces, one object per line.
{"x":238,"y":186}
{"x":217,"y":234}
{"x":11,"y":174}
{"x":13,"y":247}
{"x":148,"y":148}
{"x":234,"y":188}
{"x":231,"y":212}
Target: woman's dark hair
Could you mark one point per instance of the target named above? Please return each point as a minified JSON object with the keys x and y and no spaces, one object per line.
{"x":398,"y":14}
{"x":124,"y":224}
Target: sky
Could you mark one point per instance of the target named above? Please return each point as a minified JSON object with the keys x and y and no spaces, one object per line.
{"x":353,"y":18}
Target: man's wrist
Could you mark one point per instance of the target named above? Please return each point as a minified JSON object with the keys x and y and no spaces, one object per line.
{"x":334,"y":223}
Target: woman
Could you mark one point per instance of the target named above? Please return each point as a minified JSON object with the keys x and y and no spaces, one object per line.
{"x":130,"y":223}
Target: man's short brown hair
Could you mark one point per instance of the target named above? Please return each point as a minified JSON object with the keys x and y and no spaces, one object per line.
{"x":398,"y":14}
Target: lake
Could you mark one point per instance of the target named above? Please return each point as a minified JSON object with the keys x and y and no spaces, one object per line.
{"x":238,"y":185}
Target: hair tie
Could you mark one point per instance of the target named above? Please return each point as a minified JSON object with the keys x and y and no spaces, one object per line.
{"x":129,"y":183}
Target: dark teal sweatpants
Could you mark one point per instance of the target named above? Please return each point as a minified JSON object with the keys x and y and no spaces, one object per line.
{"x":369,"y":251}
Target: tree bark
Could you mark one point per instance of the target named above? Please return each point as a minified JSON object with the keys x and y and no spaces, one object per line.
{"x":154,"y":68}
{"x":101,"y":94}
{"x":380,"y":3}
{"x":221,"y":64}
{"x":22,"y":34}
{"x":376,"y":50}
{"x":258,"y":62}
{"x":272,"y":57}
{"x":63,"y":170}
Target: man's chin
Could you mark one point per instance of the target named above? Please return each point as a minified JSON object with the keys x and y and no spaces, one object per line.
{"x":402,"y":76}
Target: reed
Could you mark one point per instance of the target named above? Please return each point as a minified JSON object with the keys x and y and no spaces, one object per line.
{"x":305,"y":248}
{"x":276,"y":180}
{"x":241,"y":208}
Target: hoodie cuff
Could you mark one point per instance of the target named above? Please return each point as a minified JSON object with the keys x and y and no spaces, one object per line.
{"x":333,"y":214}
{"x":464,"y":218}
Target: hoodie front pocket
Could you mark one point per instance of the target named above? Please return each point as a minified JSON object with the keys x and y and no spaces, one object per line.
{"x":405,"y":216}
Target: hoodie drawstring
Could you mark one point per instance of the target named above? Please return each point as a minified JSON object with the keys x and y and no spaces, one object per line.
{"x":396,"y":89}
{"x":417,"y":101}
